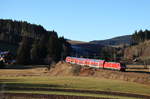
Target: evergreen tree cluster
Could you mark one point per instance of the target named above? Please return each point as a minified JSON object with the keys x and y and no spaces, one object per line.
{"x":13,"y":31}
{"x":141,"y":36}
{"x":48,"y":49}
{"x":36,"y":44}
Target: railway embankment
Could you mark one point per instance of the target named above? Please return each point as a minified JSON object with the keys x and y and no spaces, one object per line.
{"x":66,"y":69}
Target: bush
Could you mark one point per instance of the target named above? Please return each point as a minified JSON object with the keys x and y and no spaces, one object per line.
{"x":76,"y":69}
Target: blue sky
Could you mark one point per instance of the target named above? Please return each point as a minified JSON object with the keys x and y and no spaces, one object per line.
{"x":83,"y":20}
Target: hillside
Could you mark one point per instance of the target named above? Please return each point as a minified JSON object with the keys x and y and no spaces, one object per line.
{"x":102,"y":48}
{"x":139,"y":52}
{"x":12,"y":32}
{"x":86,"y":49}
{"x":32,"y":42}
{"x":114,"y":41}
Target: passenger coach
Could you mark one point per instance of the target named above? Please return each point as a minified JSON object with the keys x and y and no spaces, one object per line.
{"x":96,"y":63}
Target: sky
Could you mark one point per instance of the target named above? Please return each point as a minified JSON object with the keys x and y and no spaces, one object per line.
{"x":83,"y":20}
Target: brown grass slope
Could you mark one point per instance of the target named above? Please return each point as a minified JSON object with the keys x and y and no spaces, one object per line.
{"x":66,"y":69}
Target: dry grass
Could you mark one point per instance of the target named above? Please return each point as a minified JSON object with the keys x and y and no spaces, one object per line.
{"x":134,"y":74}
{"x":23,"y":71}
{"x":76,"y":42}
{"x":138,"y":68}
{"x":106,"y":80}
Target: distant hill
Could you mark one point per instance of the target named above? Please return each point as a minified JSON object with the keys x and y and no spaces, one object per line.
{"x":114,"y":41}
{"x":99,"y":47}
{"x":73,"y":42}
{"x":86,"y":49}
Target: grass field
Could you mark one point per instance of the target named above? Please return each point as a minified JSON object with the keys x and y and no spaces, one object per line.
{"x":81,"y":83}
{"x":37,"y":80}
{"x":74,"y":94}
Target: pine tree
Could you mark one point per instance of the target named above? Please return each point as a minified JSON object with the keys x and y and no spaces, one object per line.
{"x":23,"y":53}
{"x":65,"y":48}
{"x":35,"y":53}
{"x":54,"y":48}
{"x":43,"y":46}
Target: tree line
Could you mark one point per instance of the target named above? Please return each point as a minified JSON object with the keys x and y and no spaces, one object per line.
{"x":12,"y":31}
{"x":36,"y":44}
{"x":140,"y":36}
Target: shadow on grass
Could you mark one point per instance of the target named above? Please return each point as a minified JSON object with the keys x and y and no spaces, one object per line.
{"x":139,"y":71}
{"x":8,"y":80}
{"x":24,"y":86}
{"x":24,"y":66}
{"x":15,"y":83}
{"x":135,"y":68}
{"x":78,"y":91}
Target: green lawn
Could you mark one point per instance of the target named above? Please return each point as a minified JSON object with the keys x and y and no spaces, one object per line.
{"x":83,"y":83}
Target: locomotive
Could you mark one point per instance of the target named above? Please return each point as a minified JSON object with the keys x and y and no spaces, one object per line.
{"x":96,"y":63}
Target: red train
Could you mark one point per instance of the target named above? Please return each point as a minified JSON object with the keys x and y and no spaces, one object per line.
{"x":96,"y":63}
